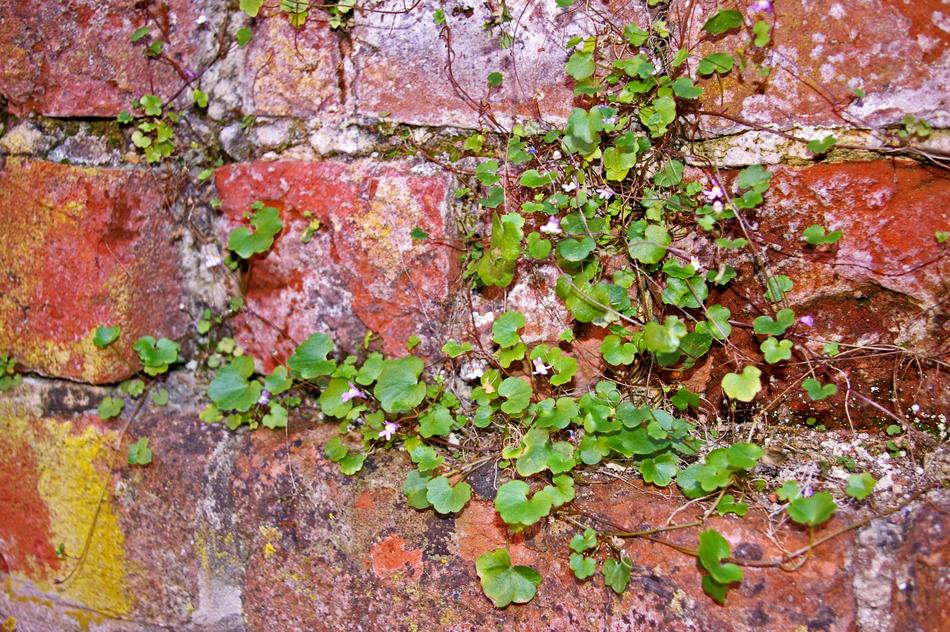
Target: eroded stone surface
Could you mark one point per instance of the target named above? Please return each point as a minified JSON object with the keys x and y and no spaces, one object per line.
{"x":77,"y":59}
{"x":361,"y":270}
{"x":84,"y":248}
{"x":896,"y":51}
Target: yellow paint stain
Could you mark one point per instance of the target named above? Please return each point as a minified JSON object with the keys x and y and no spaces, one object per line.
{"x":269,"y":549}
{"x":9,"y":624}
{"x":72,"y":471}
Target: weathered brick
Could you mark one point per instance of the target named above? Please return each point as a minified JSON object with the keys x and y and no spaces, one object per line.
{"x":84,"y":248}
{"x":362,"y":270}
{"x":76,"y":58}
{"x":896,"y":51}
{"x":400,"y":62}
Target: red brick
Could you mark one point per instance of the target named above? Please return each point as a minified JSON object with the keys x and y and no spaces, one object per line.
{"x":83,"y":248}
{"x":896,"y":51}
{"x":362,"y":270}
{"x":76,"y":58}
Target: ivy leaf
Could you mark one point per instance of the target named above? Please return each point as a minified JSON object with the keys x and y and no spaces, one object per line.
{"x":159,"y":397}
{"x":816,"y":391}
{"x":722,"y":21}
{"x":276,"y":418}
{"x":647,"y":244}
{"x":584,"y":542}
{"x":658,"y":115}
{"x":455,"y":349}
{"x":335,"y":450}
{"x":139,"y":452}
{"x":813,"y":510}
{"x":230,"y":389}
{"x":717,"y":322}
{"x":251,"y":7}
{"x":278,"y":381}
{"x":398,"y":388}
{"x":535,"y":452}
{"x":743,"y":456}
{"x":426,"y":458}
{"x":784,"y":319}
{"x":309,"y":360}
{"x":105,"y":336}
{"x":111,"y":407}
{"x":788,"y":491}
{"x":445,"y":498}
{"x":580,"y":65}
{"x":266,"y":223}
{"x":533,"y":180}
{"x":635,"y":35}
{"x":713,"y":548}
{"x":582,"y":133}
{"x":816,"y":235}
{"x":744,"y":386}
{"x":776,"y":350}
{"x":558,"y":414}
{"x":156,"y":355}
{"x":860,"y":486}
{"x":495,"y":79}
{"x":819,"y":147}
{"x":670,"y":175}
{"x":715,"y":63}
{"x":517,"y":393}
{"x":514,"y":507}
{"x":538,"y":247}
{"x":582,"y":566}
{"x":415,"y":490}
{"x":504,"y":583}
{"x":505,"y":329}
{"x":617,"y":574}
{"x":664,"y":338}
{"x":244,"y":35}
{"x":776,"y":287}
{"x":617,"y":353}
{"x":762,"y":32}
{"x":575,"y":249}
{"x":684,"y":88}
{"x":437,"y":422}
{"x":659,"y":471}
{"x":617,"y":164}
{"x":352,"y":463}
{"x":728,"y":504}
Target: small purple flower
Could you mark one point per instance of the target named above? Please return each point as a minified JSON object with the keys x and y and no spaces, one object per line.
{"x":760,"y":6}
{"x":807,"y":492}
{"x":532,"y":151}
{"x":539,"y":367}
{"x":264,"y":399}
{"x":389,"y":429}
{"x":190,"y":75}
{"x":352,"y":394}
{"x":553,"y":227}
{"x":713,"y":193}
{"x":808,"y":320}
{"x":717,"y":206}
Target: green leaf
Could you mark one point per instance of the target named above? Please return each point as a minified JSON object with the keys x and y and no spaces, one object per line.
{"x":426,"y":458}
{"x":722,"y":21}
{"x":713,"y":548}
{"x":788,"y":491}
{"x":744,"y":386}
{"x":784,"y":319}
{"x":743,"y":456}
{"x":580,"y":65}
{"x":582,"y":566}
{"x":415,"y":490}
{"x":635,"y":35}
{"x":276,"y":418}
{"x":664,"y":338}
{"x":517,"y":393}
{"x":437,"y":422}
{"x":684,"y":88}
{"x":762,"y":32}
{"x":309,"y":360}
{"x":266,"y":223}
{"x":533,"y":180}
{"x":251,"y":7}
{"x":455,"y":349}
{"x":617,"y":353}
{"x":816,"y":235}
{"x":617,"y":574}
{"x":504,"y":583}
{"x":200,"y":98}
{"x":278,"y":381}
{"x":582,"y":133}
{"x":445,"y":498}
{"x":514,"y":507}
{"x":139,"y":33}
{"x":658,"y":115}
{"x":139,"y":452}
{"x":495,"y":79}
{"x":156,"y":356}
{"x":575,"y":249}
{"x":111,"y":407}
{"x":617,"y":164}
{"x":105,"y":336}
{"x":812,"y":510}
{"x":151,"y":104}
{"x":776,"y":350}
{"x":659,"y":471}
{"x":728,"y":504}
{"x":159,"y":397}
{"x":670,"y":175}
{"x":230,"y":389}
{"x":860,"y":486}
{"x":352,"y":463}
{"x":538,"y":247}
{"x":816,"y":391}
{"x":244,"y":35}
{"x":505,"y":329}
{"x":398,"y":388}
{"x":584,"y":542}
{"x":647,"y":244}
{"x":776,"y":287}
{"x":819,"y":147}
{"x":418,"y":234}
{"x":715,"y":63}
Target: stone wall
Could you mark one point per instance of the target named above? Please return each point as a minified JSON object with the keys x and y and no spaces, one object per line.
{"x":355,"y":128}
